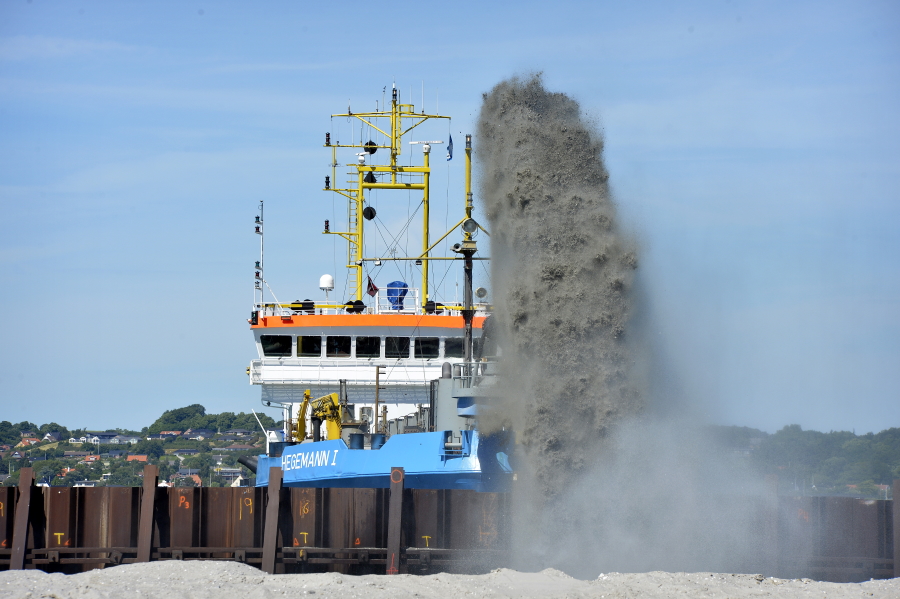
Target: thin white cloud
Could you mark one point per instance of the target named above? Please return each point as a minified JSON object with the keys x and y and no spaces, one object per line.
{"x":277,"y":66}
{"x":156,"y":175}
{"x":29,"y":253}
{"x":746,"y":113}
{"x":384,"y":58}
{"x":208,"y":99}
{"x":36,"y":47}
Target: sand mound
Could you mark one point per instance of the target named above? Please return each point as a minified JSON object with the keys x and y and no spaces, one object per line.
{"x":201,"y":580}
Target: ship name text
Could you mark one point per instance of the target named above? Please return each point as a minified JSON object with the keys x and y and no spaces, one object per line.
{"x":309,"y":459}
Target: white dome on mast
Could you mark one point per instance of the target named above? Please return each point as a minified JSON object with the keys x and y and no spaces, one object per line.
{"x":326,"y":284}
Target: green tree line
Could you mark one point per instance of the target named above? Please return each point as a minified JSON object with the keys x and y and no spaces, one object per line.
{"x":805,"y":461}
{"x":195,"y":416}
{"x":816,"y":463}
{"x":58,"y":469}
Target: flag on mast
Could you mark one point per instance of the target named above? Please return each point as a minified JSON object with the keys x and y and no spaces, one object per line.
{"x":371,"y":289}
{"x":450,"y":149}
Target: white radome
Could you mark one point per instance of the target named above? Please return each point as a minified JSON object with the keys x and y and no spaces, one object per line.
{"x":326,"y":283}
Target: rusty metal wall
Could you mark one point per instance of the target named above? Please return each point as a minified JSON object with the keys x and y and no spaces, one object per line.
{"x":838,"y":538}
{"x":348,"y":530}
{"x":8,"y":497}
{"x":301,"y":520}
{"x":7,"y":510}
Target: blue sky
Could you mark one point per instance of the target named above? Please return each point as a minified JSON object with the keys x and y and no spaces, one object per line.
{"x":752,"y":147}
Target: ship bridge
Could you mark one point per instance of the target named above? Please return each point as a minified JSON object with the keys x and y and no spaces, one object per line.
{"x":317,"y":346}
{"x":381,"y":345}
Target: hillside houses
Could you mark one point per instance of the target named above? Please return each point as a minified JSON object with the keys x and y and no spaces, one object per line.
{"x":94,"y":437}
{"x":198,"y":455}
{"x":185,"y":452}
{"x":200,"y":434}
{"x":106,"y":438}
{"x":229,"y":475}
{"x":239,"y":432}
{"x":124,"y":439}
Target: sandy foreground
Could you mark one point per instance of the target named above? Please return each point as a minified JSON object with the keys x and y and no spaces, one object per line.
{"x":226,"y":579}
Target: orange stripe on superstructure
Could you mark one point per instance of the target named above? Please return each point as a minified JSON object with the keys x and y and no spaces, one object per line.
{"x":365,"y":320}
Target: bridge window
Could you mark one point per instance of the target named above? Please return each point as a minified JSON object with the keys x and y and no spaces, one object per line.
{"x":309,"y":347}
{"x":427,"y":347}
{"x":453,"y":347}
{"x":396,"y":347}
{"x":276,"y":346}
{"x":337,"y":347}
{"x":368,"y":347}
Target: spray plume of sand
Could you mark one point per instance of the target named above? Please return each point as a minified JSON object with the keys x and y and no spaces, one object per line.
{"x":562,"y":274}
{"x":605,"y":482}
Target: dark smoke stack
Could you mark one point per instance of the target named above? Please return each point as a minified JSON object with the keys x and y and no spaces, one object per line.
{"x":562,"y":275}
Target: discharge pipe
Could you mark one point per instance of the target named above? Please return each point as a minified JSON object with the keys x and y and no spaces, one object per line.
{"x":250,"y":461}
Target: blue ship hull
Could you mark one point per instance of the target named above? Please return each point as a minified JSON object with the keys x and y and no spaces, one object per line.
{"x":481,"y":464}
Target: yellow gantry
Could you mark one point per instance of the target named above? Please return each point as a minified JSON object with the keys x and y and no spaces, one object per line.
{"x":402,"y":119}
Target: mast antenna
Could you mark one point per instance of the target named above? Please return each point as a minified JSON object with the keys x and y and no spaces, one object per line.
{"x":259,"y":276}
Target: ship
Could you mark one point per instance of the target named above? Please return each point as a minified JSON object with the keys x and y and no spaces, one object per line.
{"x":395,"y":376}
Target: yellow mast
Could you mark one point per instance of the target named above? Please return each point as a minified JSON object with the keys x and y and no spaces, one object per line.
{"x":425,"y":222}
{"x":398,"y":115}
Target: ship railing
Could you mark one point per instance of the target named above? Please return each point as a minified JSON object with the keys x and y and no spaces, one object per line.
{"x":381,"y":304}
{"x":255,"y":372}
{"x":470,"y":374}
{"x":409,"y":304}
{"x":354,"y":370}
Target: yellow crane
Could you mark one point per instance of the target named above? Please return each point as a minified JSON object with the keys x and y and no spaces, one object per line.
{"x":326,"y":408}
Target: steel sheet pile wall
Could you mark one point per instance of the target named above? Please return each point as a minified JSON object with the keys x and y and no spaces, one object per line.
{"x":7,"y":517}
{"x":374,"y":530}
{"x":836,"y":538}
{"x":309,"y":530}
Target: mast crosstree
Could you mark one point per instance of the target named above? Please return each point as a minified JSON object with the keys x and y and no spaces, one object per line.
{"x":394,"y":124}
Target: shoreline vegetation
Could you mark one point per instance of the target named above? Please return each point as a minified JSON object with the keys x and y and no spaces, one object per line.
{"x":191,"y":448}
{"x":806,"y":462}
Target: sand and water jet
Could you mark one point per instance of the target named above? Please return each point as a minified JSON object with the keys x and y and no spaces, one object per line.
{"x":605,"y":481}
{"x":562,"y":273}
